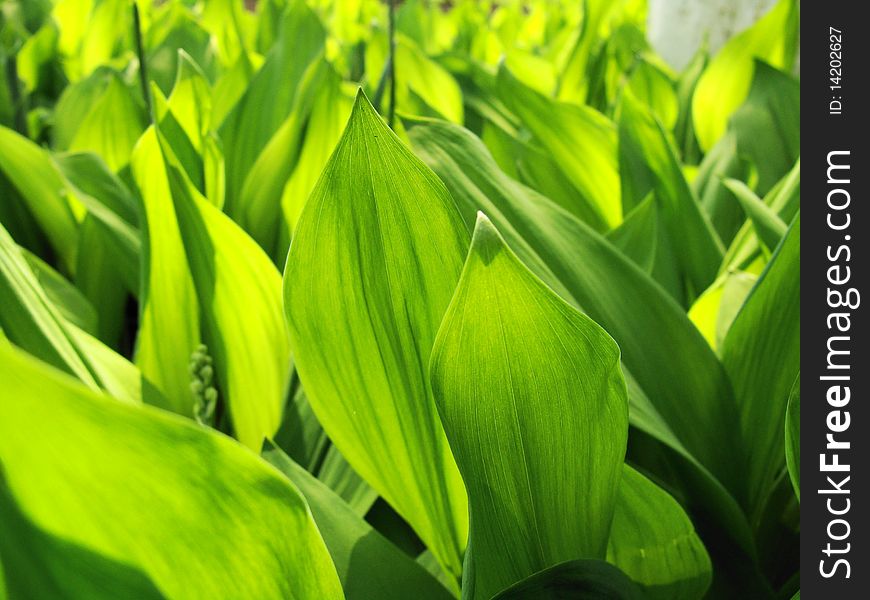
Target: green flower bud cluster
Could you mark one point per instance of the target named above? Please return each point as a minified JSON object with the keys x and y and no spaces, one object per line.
{"x":202,"y":385}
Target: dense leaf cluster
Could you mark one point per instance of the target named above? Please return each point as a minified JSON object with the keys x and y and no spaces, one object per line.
{"x":533,"y":334}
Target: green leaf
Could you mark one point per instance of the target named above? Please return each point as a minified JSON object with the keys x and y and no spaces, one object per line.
{"x":193,"y":511}
{"x":793,"y":436}
{"x":168,"y":311}
{"x":29,"y":319}
{"x":68,"y":300}
{"x":40,"y":565}
{"x":581,"y":140}
{"x":370,"y":272}
{"x":653,"y":542}
{"x":228,"y":32}
{"x":589,"y":579}
{"x":240,"y":304}
{"x":75,"y":103}
{"x":173,"y":28}
{"x":714,"y":310}
{"x":684,"y":131}
{"x":725,"y":82}
{"x":428,"y":81}
{"x":111,"y":126}
{"x":784,"y":200}
{"x":173,"y":135}
{"x":696,"y":246}
{"x":31,"y":172}
{"x":269,"y":97}
{"x":767,"y":125}
{"x":762,"y":356}
{"x":574,"y":83}
{"x":32,"y":322}
{"x":368,"y":565}
{"x":512,"y":358}
{"x":190,"y":100}
{"x":231,"y":86}
{"x":720,"y":163}
{"x":90,"y":176}
{"x":339,"y":476}
{"x":768,"y":226}
{"x":93,"y":40}
{"x":112,"y":220}
{"x":686,"y":384}
{"x":104,"y":276}
{"x":260,"y":197}
{"x":329,"y":115}
{"x":637,"y":235}
{"x":300,"y":436}
{"x":650,"y":84}
{"x":537,"y":169}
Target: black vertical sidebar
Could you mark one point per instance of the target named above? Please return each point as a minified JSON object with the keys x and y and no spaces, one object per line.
{"x":835,"y":432}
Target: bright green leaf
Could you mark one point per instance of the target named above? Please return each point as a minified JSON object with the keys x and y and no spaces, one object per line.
{"x":361,"y":330}
{"x":240,"y":304}
{"x":510,"y":359}
{"x":686,"y":383}
{"x":69,"y":301}
{"x":368,"y":565}
{"x":269,"y":97}
{"x":637,"y":235}
{"x":40,"y":565}
{"x":168,"y":311}
{"x":30,"y":170}
{"x":768,"y":226}
{"x":768,"y":125}
{"x":193,"y":511}
{"x":581,"y":140}
{"x":726,"y":81}
{"x":697,"y":249}
{"x":111,"y":125}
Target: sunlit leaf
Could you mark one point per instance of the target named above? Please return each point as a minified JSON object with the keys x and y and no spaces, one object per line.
{"x":259,"y":200}
{"x":111,"y":125}
{"x":42,"y":565}
{"x":268,"y":99}
{"x":191,"y":510}
{"x":696,"y":247}
{"x":725,"y":82}
{"x":511,"y":357}
{"x":239,"y":294}
{"x":368,"y":565}
{"x":768,"y":226}
{"x":570,"y":256}
{"x":169,"y":329}
{"x":30,"y":170}
{"x":69,"y":301}
{"x":361,"y":330}
{"x":767,"y":125}
{"x":582,"y":140}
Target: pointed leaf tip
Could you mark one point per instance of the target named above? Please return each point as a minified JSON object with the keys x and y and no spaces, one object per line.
{"x":362,"y":104}
{"x":486,"y":241}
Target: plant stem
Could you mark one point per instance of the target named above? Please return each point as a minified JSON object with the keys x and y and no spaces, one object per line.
{"x":143,"y":65}
{"x":391,"y":63}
